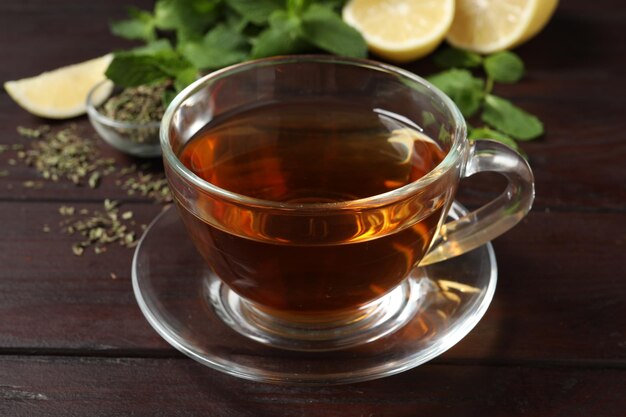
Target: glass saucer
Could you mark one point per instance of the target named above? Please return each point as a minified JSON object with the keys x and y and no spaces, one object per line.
{"x":173,"y":288}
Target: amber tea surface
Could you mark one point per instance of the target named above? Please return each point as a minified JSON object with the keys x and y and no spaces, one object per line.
{"x":306,"y":153}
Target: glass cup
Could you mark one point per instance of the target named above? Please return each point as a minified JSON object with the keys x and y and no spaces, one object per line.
{"x":314,"y":273}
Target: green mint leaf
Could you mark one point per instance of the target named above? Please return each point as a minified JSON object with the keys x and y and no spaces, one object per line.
{"x":325,"y":29}
{"x":140,"y":26}
{"x":185,"y":77}
{"x":220,"y":47}
{"x":189,"y":18}
{"x":283,"y":37}
{"x":336,"y":5}
{"x":457,"y":58}
{"x":487,"y":133}
{"x":510,"y":119}
{"x":234,"y":20}
{"x":153,"y":47}
{"x":256,"y":11}
{"x":130,"y":69}
{"x":464,"y":89}
{"x":504,"y":67}
{"x":171,"y":63}
{"x":296,"y":7}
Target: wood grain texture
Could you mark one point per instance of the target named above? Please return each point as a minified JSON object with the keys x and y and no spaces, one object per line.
{"x":553,"y":343}
{"x":72,"y":387}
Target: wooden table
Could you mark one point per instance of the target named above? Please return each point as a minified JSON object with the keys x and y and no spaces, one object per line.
{"x":553,"y":343}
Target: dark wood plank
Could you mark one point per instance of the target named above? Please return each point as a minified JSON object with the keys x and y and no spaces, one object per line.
{"x":555,"y":284}
{"x":39,"y":35}
{"x":50,"y":295}
{"x":551,"y":344}
{"x":147,"y":387}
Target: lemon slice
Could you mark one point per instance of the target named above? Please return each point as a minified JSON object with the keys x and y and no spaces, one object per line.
{"x":488,"y":26}
{"x":400,"y":30}
{"x":61,"y":93}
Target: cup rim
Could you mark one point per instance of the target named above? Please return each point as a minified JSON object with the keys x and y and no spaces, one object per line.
{"x":449,"y":161}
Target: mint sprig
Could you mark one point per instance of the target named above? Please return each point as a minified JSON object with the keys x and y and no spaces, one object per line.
{"x":510,"y":119}
{"x":221,"y":46}
{"x":462,"y":87}
{"x":211,"y":34}
{"x":147,"y":66}
{"x":457,"y":58}
{"x":473,"y":95}
{"x":504,"y":67}
{"x":324,"y":28}
{"x":281,"y":37}
{"x":140,"y":25}
{"x":256,"y":11}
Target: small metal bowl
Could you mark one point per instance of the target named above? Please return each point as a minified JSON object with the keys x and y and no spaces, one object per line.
{"x":137,"y":139}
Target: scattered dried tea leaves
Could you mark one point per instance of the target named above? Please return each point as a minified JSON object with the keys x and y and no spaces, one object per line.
{"x":136,"y":181}
{"x":99,"y":228}
{"x":66,"y":210}
{"x":33,"y":133}
{"x":11,"y":147}
{"x":36,"y":185}
{"x":77,"y":249}
{"x":63,"y":154}
{"x":93,"y":180}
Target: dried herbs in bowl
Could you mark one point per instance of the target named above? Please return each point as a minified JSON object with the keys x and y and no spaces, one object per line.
{"x":129,"y":118}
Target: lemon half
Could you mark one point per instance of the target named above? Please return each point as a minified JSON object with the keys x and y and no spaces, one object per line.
{"x":400,"y":30}
{"x":487,"y":26}
{"x":61,"y":93}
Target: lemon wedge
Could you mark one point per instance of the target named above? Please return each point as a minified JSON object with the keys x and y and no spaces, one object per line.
{"x":487,"y":26}
{"x":400,"y":30}
{"x":61,"y":93}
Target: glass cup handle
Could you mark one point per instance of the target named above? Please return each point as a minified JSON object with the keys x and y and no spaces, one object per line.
{"x":496,"y":217}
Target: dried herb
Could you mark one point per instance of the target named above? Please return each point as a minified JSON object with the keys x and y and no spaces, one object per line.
{"x":63,"y":154}
{"x":94,"y":179}
{"x":33,"y":184}
{"x":66,"y":155}
{"x":12,"y":147}
{"x":138,"y":182}
{"x":137,"y":104}
{"x":33,"y":133}
{"x":98,"y":229}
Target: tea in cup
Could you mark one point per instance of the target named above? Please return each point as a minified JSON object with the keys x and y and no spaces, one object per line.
{"x":315,"y":187}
